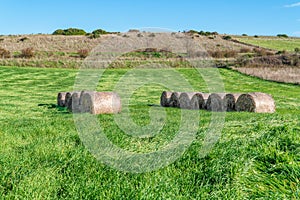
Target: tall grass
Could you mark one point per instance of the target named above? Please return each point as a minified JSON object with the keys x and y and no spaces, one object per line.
{"x":42,"y":157}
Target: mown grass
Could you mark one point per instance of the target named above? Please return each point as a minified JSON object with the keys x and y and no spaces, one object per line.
{"x":42,"y":156}
{"x":279,"y":44}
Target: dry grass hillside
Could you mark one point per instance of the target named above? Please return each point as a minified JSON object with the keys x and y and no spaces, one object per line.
{"x":69,"y":51}
{"x":61,"y":43}
{"x":49,"y":43}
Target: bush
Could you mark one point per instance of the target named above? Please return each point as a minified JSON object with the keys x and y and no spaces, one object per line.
{"x":281,"y":52}
{"x":192,"y":32}
{"x":297,"y":50}
{"x":207,"y":33}
{"x":244,"y":34}
{"x":227,"y":37}
{"x":93,"y":36}
{"x":270,"y":61}
{"x":100,"y":32}
{"x":27,"y":53}
{"x":262,"y":52}
{"x":58,"y":32}
{"x":282,"y":35}
{"x":256,"y":36}
{"x":245,"y":50}
{"x":4,"y":53}
{"x":97,"y":33}
{"x":83,"y":53}
{"x":69,"y":31}
{"x":23,"y":39}
{"x":134,"y":31}
{"x":223,"y":54}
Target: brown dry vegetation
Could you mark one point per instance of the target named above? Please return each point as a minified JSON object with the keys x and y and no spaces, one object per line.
{"x":280,"y":74}
{"x":281,"y":68}
{"x":47,"y":50}
{"x":49,"y":43}
{"x":69,"y":51}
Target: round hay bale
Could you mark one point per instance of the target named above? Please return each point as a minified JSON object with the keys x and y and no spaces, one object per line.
{"x":174,"y":100}
{"x":101,"y":103}
{"x":82,"y":93}
{"x":68,"y":99}
{"x":83,"y":106}
{"x":197,"y":101}
{"x":205,"y":98}
{"x":256,"y":102}
{"x":185,"y":100}
{"x":165,"y":99}
{"x":230,"y":101}
{"x":61,"y":99}
{"x":215,"y":102}
{"x":74,"y":102}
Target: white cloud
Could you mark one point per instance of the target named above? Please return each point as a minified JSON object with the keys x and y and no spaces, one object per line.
{"x":292,"y":5}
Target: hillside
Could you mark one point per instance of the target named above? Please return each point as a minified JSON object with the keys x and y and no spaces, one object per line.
{"x":64,"y":51}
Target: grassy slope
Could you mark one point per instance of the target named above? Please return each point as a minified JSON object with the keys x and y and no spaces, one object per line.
{"x":41,"y":155}
{"x":275,"y":43}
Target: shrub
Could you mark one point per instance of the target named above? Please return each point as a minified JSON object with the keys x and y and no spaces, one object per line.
{"x":58,"y":32}
{"x":269,"y":61}
{"x":281,"y":52}
{"x":100,"y":32}
{"x":282,"y":35}
{"x":23,"y":39}
{"x":244,"y":34}
{"x":192,"y":32}
{"x":4,"y":53}
{"x":83,"y":53}
{"x":207,"y":33}
{"x":227,"y":37}
{"x":230,"y":54}
{"x":262,"y":52}
{"x":133,"y":31}
{"x":27,"y":53}
{"x":223,"y":54}
{"x":93,"y":36}
{"x":245,"y":50}
{"x":97,"y":33}
{"x":297,"y":50}
{"x":69,"y":31}
{"x":256,"y":36}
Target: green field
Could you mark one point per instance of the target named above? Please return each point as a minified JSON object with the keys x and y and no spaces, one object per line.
{"x":280,"y":44}
{"x":42,"y":156}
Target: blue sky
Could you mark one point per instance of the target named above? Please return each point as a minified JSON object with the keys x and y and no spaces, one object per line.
{"x":264,"y":17}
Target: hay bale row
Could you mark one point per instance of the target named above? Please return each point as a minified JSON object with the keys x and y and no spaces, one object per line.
{"x":90,"y":102}
{"x":219,"y":102}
